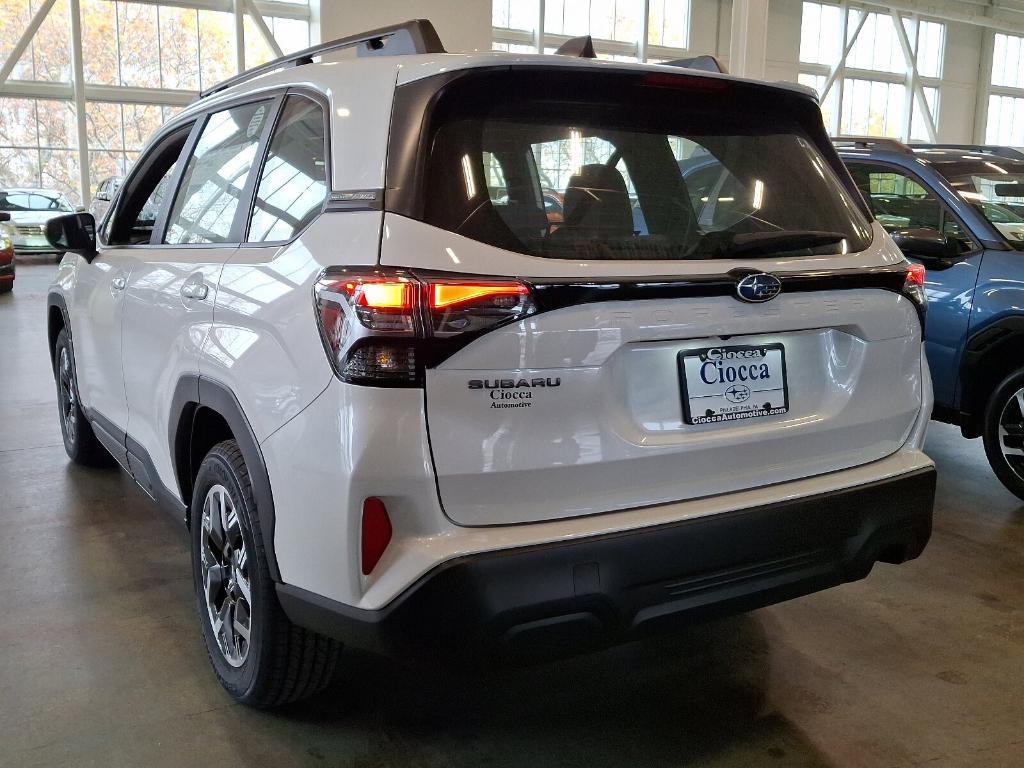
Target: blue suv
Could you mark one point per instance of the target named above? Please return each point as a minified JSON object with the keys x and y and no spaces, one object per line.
{"x":959,"y":210}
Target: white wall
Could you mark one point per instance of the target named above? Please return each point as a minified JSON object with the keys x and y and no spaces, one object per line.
{"x":462,"y":26}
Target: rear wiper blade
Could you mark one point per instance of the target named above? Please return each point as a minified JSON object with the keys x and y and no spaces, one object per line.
{"x":772,"y":242}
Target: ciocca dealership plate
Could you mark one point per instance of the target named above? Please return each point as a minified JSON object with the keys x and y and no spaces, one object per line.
{"x":729,"y":383}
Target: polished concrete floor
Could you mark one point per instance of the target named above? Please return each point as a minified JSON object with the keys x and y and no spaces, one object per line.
{"x":101,"y":662}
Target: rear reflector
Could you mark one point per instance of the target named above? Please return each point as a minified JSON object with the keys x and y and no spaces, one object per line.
{"x":376,"y":533}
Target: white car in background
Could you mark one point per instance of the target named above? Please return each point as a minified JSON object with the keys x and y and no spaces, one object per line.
{"x":30,"y":209}
{"x":104,"y":196}
{"x":401,"y":411}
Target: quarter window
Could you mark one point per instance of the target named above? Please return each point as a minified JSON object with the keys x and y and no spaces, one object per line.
{"x":293,"y":184}
{"x":216,"y":175}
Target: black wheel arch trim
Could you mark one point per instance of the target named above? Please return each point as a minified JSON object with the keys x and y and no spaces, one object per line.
{"x":54,"y":299}
{"x":979,"y":345}
{"x":192,"y":393}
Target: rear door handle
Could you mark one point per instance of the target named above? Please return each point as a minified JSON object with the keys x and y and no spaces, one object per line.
{"x":195,"y":291}
{"x":119,"y":283}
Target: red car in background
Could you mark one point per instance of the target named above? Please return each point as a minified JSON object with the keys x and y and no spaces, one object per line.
{"x":6,"y":258}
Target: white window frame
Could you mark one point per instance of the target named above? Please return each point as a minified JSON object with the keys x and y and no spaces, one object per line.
{"x":79,"y":92}
{"x":835,"y":74}
{"x":539,"y":40}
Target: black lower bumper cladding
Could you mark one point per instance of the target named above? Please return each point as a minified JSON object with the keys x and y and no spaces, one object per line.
{"x":565,"y":596}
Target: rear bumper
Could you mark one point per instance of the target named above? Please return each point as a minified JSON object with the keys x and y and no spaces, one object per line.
{"x":565,"y":596}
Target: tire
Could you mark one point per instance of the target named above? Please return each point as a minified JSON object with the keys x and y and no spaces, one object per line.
{"x":80,"y":441}
{"x":280,"y":662}
{"x":7,"y":286}
{"x":1003,"y":432}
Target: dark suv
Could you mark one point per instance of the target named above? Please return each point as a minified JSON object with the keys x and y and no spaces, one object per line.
{"x":960,"y":212}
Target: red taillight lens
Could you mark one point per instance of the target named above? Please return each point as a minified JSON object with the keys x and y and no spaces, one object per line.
{"x":376,"y":533}
{"x":383,"y":326}
{"x":916,"y":274}
{"x":913,"y":285}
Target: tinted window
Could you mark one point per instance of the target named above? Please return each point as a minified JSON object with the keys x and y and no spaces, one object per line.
{"x":145,"y":191}
{"x":212,"y":184}
{"x":293,"y":184}
{"x":899,"y":201}
{"x":614,"y":151}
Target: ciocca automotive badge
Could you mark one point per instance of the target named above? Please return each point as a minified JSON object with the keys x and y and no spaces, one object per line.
{"x":758,"y":288}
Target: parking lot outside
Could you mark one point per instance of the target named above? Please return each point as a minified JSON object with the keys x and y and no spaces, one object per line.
{"x":103,"y":662}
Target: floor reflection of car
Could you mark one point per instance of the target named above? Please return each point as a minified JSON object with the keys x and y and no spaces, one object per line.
{"x":104,"y":195}
{"x":6,"y":260}
{"x":958,"y":210}
{"x":29,"y":210}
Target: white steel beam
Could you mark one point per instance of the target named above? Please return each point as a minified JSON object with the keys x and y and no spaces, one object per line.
{"x":239,"y":35}
{"x":748,"y":41}
{"x":261,"y":25}
{"x":915,"y":84}
{"x":266,"y":7}
{"x":78,"y":81}
{"x":840,"y":65}
{"x":111,"y":94}
{"x":991,"y":16}
{"x":25,"y":40}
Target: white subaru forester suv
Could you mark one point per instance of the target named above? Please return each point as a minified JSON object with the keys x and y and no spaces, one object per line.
{"x":329,"y":323}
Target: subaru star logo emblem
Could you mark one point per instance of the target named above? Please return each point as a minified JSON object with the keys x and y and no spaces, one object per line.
{"x":758,"y":288}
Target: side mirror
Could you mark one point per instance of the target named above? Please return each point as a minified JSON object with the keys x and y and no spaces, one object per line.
{"x":73,"y":233}
{"x":928,"y":245}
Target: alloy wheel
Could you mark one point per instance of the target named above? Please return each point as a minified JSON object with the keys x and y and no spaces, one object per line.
{"x":1011,"y":432}
{"x":66,"y":394}
{"x":227,"y":588}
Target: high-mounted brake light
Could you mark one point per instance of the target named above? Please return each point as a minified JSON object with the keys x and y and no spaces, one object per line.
{"x":384,"y":327}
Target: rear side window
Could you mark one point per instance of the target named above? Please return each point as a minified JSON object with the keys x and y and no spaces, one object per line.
{"x":216,"y":174}
{"x":578,"y":165}
{"x":293,"y":185}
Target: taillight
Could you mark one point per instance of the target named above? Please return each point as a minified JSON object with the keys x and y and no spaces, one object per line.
{"x":383,"y":327}
{"x":913,"y":289}
{"x":913,"y":285}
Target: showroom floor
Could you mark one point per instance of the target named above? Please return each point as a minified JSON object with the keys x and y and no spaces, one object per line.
{"x":102,"y":663}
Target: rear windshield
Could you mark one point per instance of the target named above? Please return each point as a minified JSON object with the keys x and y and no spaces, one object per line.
{"x":572,"y":165}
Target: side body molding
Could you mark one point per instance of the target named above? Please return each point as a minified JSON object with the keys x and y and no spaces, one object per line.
{"x":192,"y":393}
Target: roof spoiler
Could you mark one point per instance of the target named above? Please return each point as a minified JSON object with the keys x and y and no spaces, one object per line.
{"x":409,"y":37}
{"x":705,"y":62}
{"x":580,"y":47}
{"x":583,"y":48}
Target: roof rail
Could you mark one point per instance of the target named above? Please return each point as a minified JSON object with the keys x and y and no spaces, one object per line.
{"x":409,"y":37}
{"x":871,"y":142}
{"x":1010,"y":153}
{"x":705,"y":62}
{"x":580,"y":47}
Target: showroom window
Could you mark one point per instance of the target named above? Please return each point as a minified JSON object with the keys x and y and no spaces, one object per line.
{"x":1005,"y":123}
{"x":872,"y":91}
{"x":618,"y":27}
{"x":142,"y":63}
